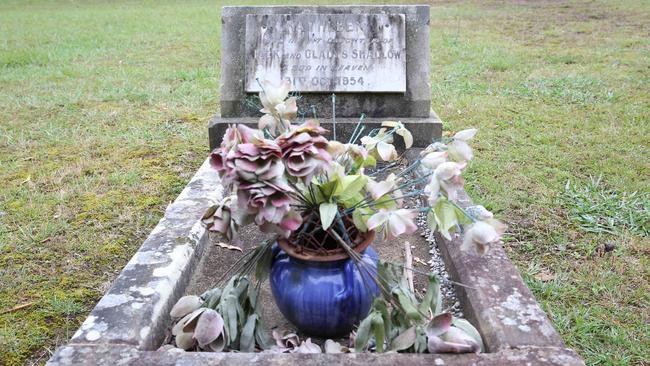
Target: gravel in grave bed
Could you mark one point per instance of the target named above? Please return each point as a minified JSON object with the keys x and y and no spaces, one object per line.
{"x":216,"y":260}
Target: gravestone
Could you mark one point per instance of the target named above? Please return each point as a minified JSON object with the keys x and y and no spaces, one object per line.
{"x":373,"y":59}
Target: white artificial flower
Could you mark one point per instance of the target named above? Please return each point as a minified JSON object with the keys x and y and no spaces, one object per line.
{"x":432,"y":190}
{"x":433,"y":159}
{"x":465,"y":135}
{"x":378,"y":189}
{"x":459,"y":150}
{"x":385,"y":150}
{"x":481,"y":235}
{"x":449,"y":177}
{"x":401,"y":130}
{"x":393,"y":223}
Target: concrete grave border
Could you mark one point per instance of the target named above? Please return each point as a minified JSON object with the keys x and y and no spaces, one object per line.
{"x":130,"y":320}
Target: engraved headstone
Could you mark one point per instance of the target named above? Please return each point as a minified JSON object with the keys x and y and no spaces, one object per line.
{"x":375,"y":59}
{"x":328,"y":52}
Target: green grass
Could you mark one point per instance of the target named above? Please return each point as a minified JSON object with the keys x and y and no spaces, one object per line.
{"x":104,"y":120}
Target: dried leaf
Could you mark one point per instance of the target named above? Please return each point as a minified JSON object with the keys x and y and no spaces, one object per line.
{"x":228,"y":246}
{"x":420,"y":261}
{"x":545,"y":276}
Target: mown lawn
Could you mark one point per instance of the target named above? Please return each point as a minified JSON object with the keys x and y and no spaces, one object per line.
{"x":104,"y":110}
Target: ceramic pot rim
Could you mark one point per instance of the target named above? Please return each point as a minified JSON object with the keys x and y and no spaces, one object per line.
{"x":335,"y":255}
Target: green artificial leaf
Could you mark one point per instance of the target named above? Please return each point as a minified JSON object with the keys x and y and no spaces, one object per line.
{"x":469,"y":329}
{"x":328,"y":188}
{"x":262,"y":336}
{"x":350,"y":186}
{"x":212,"y":297}
{"x":363,"y":334}
{"x":229,"y":314}
{"x":247,"y":341}
{"x":251,"y":304}
{"x":351,"y":201}
{"x":386,"y":202}
{"x":314,"y":194}
{"x":263,"y":267}
{"x":378,"y":330}
{"x":370,"y":161}
{"x":462,"y":217}
{"x":327,"y":214}
{"x":407,"y":304}
{"x":446,"y":218}
{"x":420,"y":340}
{"x":432,"y":298}
{"x":241,"y":289}
{"x":359,"y":219}
{"x":380,"y":305}
{"x":404,"y":340}
{"x":388,"y":275}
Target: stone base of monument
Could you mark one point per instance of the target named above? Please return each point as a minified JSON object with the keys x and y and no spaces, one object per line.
{"x":131,"y":321}
{"x":424,"y":130}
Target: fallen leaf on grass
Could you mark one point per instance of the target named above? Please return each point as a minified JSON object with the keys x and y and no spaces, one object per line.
{"x":545,"y":276}
{"x":228,"y":246}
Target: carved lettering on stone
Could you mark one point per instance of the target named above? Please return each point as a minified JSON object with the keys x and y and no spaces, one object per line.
{"x":328,"y":52}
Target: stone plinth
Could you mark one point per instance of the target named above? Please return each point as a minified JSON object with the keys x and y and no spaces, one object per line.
{"x":424,"y":130}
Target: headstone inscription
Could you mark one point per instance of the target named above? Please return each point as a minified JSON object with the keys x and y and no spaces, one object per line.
{"x":328,"y":52}
{"x":374,"y":59}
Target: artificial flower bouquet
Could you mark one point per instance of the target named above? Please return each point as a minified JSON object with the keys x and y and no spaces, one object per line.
{"x":319,"y":197}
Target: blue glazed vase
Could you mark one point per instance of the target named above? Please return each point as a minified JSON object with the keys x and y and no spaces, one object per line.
{"x":323,"y":299}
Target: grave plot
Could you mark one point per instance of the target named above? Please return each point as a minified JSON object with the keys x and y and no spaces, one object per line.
{"x":360,"y":59}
